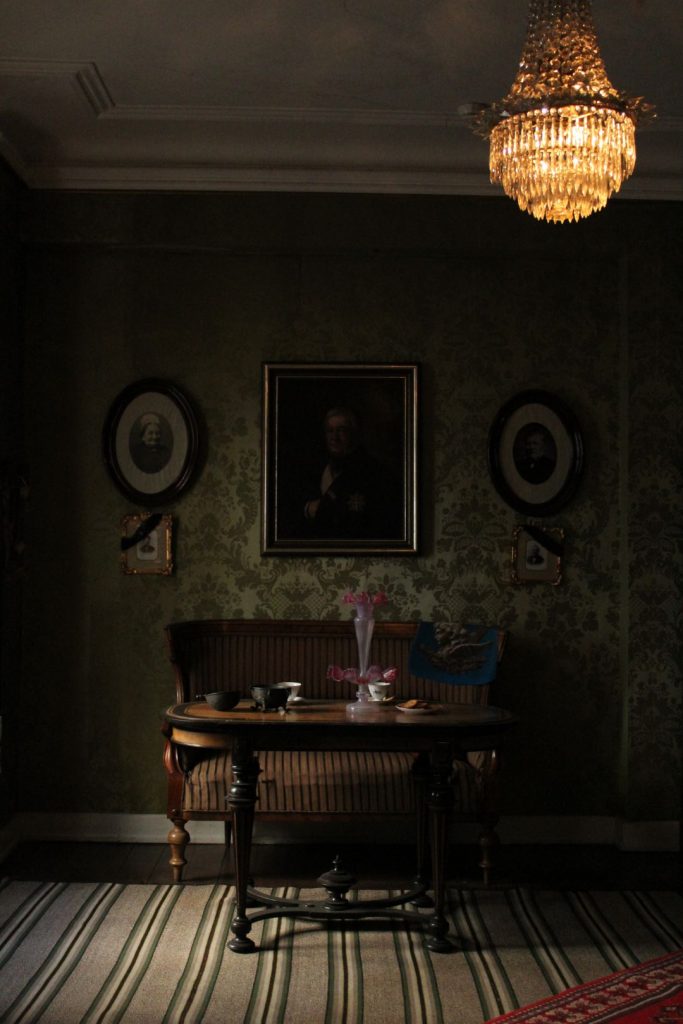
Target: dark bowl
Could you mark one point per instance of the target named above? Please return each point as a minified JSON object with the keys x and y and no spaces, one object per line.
{"x":223,"y":700}
{"x":269,"y":698}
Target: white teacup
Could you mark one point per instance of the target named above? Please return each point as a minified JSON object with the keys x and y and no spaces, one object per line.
{"x":293,"y":690}
{"x":379,"y":690}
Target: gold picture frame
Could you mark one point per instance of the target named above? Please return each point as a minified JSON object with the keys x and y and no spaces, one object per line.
{"x":147,"y":544}
{"x":537,"y":554}
{"x":340,"y":459}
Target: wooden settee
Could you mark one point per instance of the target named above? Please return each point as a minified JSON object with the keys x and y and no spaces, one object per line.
{"x":220,"y":654}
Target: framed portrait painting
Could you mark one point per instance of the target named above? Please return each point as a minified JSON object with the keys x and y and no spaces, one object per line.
{"x":535,"y":453}
{"x":339,"y":466}
{"x":151,"y":442}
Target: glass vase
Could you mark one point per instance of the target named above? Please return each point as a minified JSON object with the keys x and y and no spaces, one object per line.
{"x":364,"y":625}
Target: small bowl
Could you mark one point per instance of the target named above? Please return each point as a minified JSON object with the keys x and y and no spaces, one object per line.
{"x":270,"y":697}
{"x":223,"y":700}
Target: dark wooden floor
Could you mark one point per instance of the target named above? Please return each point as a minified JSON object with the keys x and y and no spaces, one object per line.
{"x":375,"y":866}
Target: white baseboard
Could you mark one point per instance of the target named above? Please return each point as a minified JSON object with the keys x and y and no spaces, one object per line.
{"x":660,"y":836}
{"x":648,"y":835}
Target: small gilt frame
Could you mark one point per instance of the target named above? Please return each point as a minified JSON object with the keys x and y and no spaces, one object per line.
{"x":147,"y":544}
{"x":537,"y":554}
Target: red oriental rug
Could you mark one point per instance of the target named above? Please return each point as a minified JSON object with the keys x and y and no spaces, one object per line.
{"x":650,"y":993}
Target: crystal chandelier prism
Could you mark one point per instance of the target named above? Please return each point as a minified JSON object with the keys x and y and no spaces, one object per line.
{"x":563,"y":139}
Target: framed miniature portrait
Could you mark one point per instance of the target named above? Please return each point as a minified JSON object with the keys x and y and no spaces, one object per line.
{"x":339,"y":467}
{"x":537,"y":554}
{"x":151,"y":442}
{"x":147,"y":544}
{"x":535,"y":453}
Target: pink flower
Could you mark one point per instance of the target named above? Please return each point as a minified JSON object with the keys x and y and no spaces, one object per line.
{"x":374,"y":674}
{"x":377,"y":674}
{"x":351,"y":675}
{"x":342,"y":675}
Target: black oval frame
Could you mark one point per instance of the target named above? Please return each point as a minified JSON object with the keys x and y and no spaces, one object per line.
{"x":109,"y":436}
{"x":571,"y":478}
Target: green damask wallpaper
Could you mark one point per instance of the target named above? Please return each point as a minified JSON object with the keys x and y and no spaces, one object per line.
{"x":201,"y":290}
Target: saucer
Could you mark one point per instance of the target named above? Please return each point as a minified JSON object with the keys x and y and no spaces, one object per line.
{"x":419,"y":711}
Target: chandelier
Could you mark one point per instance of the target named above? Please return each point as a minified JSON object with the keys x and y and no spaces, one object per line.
{"x":563,"y":139}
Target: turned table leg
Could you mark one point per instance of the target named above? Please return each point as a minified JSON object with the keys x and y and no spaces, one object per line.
{"x":439,"y":803}
{"x":241,"y":799}
{"x":421,"y":776}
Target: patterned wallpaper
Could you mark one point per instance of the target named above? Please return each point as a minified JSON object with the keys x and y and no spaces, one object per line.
{"x":655,"y":521}
{"x":201,"y":291}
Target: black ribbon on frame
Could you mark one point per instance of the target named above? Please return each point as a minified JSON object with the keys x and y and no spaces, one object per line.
{"x":143,"y":530}
{"x":546,"y":540}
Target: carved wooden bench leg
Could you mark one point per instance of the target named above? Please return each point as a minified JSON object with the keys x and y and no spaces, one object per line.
{"x":178,"y":838}
{"x":489,"y":798}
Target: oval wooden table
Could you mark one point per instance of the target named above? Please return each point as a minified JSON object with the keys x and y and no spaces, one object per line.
{"x":437,"y":738}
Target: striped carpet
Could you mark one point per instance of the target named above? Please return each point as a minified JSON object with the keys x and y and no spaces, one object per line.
{"x":156,"y":954}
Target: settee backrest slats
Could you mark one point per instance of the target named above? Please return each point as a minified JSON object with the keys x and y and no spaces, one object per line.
{"x":233,"y":654}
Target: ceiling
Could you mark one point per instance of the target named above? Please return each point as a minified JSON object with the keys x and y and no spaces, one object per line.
{"x":304,"y":95}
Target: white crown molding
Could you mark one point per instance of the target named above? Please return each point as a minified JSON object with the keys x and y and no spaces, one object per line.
{"x":84,"y":75}
{"x":89,"y":79}
{"x":650,"y":187}
{"x":126,"y":156}
{"x":381,"y":180}
{"x":211,"y":179}
{"x":95,"y":90}
{"x":284,"y":115}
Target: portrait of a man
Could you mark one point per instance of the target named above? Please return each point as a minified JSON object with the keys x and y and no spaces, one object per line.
{"x":535,"y":557}
{"x":352,"y":494}
{"x":339,"y":461}
{"x":535,"y":453}
{"x":149,"y":547}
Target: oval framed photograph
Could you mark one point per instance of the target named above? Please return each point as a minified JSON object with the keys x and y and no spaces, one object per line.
{"x":151,"y":442}
{"x":535,"y":453}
